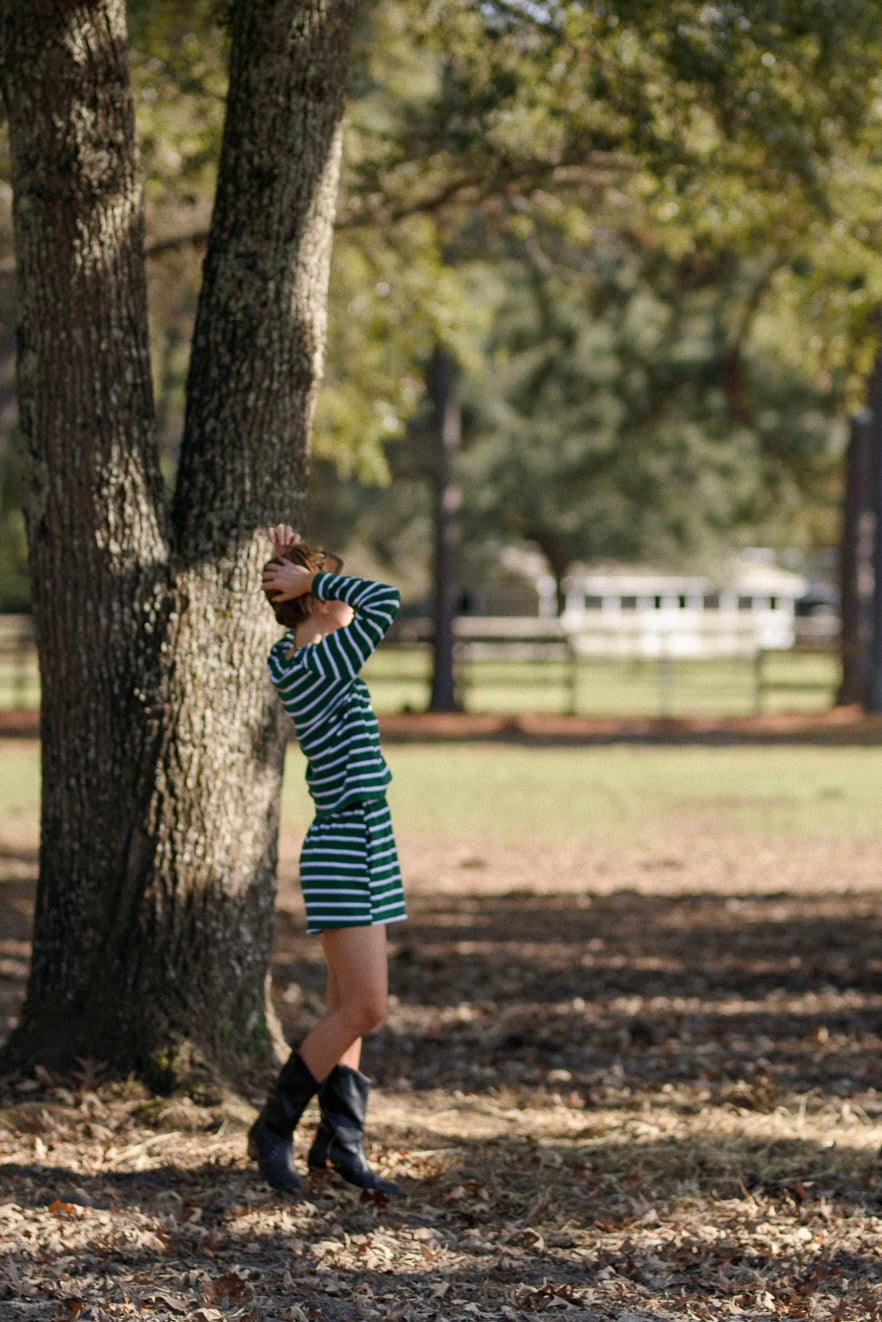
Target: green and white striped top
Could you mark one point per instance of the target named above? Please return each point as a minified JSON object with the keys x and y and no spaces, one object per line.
{"x":330,"y":705}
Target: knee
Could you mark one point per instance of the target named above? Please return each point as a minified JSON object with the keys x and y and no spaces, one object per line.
{"x":366,"y":1014}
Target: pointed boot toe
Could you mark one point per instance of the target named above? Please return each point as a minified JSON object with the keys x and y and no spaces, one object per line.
{"x":339,"y":1141}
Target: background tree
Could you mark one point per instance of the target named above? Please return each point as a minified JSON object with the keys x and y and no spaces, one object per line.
{"x":691,"y":122}
{"x":617,"y":418}
{"x":716,"y":140}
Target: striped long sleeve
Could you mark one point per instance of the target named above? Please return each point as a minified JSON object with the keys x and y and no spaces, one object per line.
{"x":321,"y":690}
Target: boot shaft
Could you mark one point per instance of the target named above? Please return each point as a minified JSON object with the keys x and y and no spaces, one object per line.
{"x":343,"y":1101}
{"x":289,"y":1096}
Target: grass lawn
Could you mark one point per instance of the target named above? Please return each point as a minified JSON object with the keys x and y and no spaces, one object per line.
{"x":460,"y":796}
{"x":471,"y":792}
{"x":524,"y":793}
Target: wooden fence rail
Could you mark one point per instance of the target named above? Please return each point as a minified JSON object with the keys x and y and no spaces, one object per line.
{"x":535,"y":639}
{"x":511,"y":639}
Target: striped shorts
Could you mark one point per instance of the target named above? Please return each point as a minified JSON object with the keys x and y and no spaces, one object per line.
{"x":349,"y":870}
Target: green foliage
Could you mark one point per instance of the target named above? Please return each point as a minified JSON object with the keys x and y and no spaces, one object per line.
{"x":669,"y":213}
{"x":613,"y":420}
{"x":178,"y":67}
{"x":621,"y":410}
{"x":384,"y":530}
{"x":390,"y":301}
{"x":692,"y":192}
{"x":498,"y":100}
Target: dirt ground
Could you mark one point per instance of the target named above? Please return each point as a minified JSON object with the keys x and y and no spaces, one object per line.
{"x":647,"y":1089}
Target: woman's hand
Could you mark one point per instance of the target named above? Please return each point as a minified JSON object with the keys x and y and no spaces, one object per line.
{"x":283,"y":537}
{"x":283,"y":580}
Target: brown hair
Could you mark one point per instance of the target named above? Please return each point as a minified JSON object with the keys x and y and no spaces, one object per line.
{"x":316,"y":560}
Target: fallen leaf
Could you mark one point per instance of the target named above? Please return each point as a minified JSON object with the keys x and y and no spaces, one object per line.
{"x":230,"y":1286}
{"x":89,"y":1074}
{"x":68,"y":1310}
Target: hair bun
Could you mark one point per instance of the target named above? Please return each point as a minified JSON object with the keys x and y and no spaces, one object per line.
{"x":290,"y":613}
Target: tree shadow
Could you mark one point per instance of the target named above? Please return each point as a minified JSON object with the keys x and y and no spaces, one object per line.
{"x":747,"y":996}
{"x":16,"y":922}
{"x":744,"y":997}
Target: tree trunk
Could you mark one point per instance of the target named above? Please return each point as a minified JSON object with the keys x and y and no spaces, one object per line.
{"x":557,"y":557}
{"x":162,"y":745}
{"x":447,"y":499}
{"x":96,"y":530}
{"x":854,"y":560}
{"x":873,"y":700}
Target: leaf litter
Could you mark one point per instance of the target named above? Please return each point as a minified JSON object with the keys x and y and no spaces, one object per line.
{"x":632,"y":1105}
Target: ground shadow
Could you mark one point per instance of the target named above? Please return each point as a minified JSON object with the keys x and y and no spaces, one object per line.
{"x":755,"y":995}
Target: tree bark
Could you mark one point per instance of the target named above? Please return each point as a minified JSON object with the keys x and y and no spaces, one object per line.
{"x":854,"y":561}
{"x":162,"y":745}
{"x":873,"y":691}
{"x":447,"y":499}
{"x":96,"y":529}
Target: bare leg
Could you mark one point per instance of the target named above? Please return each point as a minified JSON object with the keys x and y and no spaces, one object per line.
{"x":333,"y":1001}
{"x":357,"y":989}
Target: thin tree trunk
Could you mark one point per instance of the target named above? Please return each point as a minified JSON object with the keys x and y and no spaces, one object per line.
{"x":557,"y":558}
{"x":853,"y":560}
{"x":873,"y":701}
{"x":161,"y":742}
{"x":447,"y":499}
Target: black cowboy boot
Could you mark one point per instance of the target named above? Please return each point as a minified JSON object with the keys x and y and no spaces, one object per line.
{"x":269,"y":1138}
{"x":340,"y":1136}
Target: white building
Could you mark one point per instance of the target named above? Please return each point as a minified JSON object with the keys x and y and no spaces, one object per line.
{"x":617,"y":611}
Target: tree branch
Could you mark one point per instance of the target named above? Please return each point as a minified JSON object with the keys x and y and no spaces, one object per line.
{"x":175,"y":242}
{"x":476,"y":187}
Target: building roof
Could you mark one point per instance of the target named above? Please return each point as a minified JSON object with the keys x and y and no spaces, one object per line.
{"x":751,"y":573}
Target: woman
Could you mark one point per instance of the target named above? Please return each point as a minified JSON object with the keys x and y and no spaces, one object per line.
{"x":349,"y":868}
